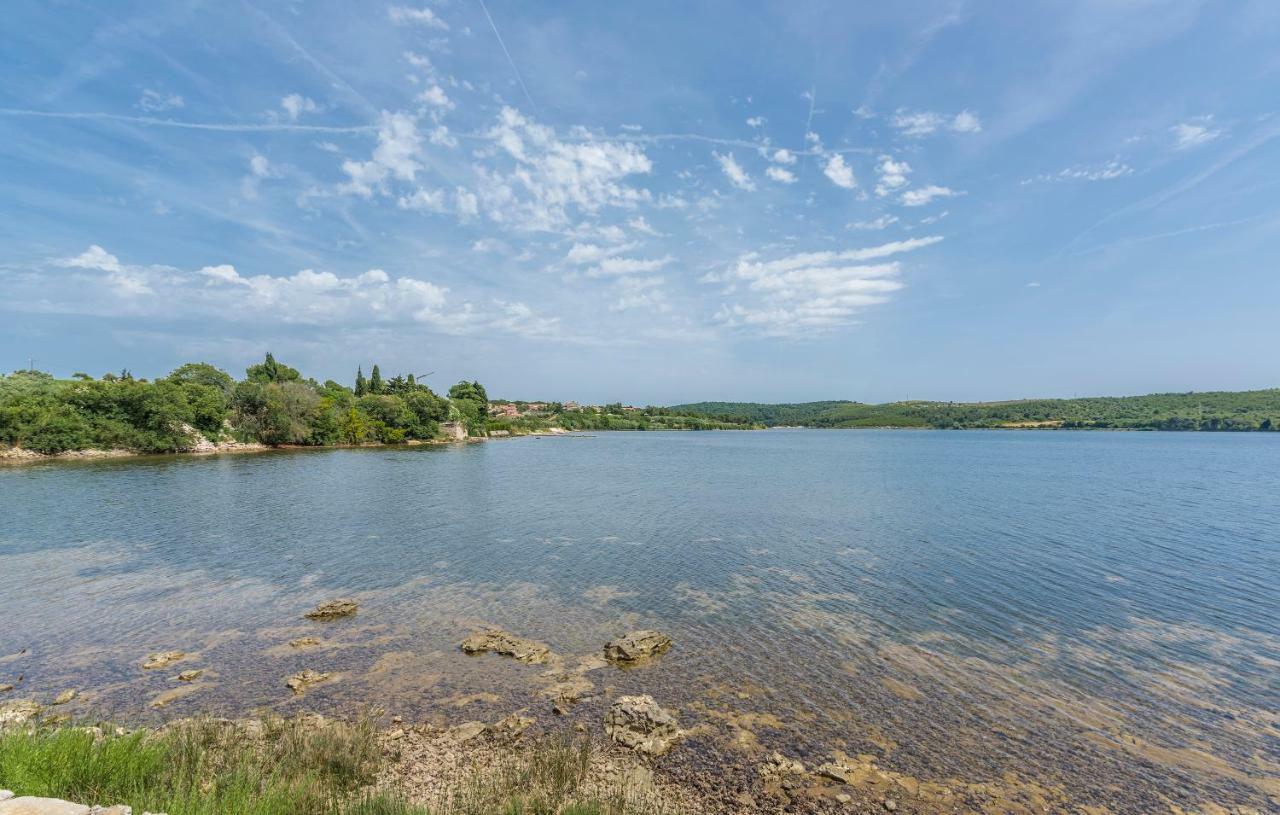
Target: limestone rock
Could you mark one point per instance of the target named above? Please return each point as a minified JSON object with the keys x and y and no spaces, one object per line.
{"x":5,"y":795}
{"x":5,"y":688}
{"x":299,"y":682}
{"x":191,"y":675}
{"x":118,"y":809}
{"x":19,"y":711}
{"x":333,"y":609}
{"x":65,"y":697}
{"x":163,"y":659}
{"x":636,"y":646}
{"x":467,"y":731}
{"x":779,"y":765}
{"x":508,"y":645}
{"x":28,"y":805}
{"x":640,"y":723}
{"x":304,"y":642}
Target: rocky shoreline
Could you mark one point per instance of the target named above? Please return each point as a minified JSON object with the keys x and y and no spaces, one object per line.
{"x":676,"y":760}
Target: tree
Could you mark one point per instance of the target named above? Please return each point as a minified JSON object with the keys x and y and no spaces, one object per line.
{"x":202,"y":373}
{"x":362,"y":387}
{"x":271,"y":371}
{"x":375,"y":380}
{"x":473,"y":391}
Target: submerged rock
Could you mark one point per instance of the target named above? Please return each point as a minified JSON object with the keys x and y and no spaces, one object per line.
{"x":508,"y":645}
{"x":467,"y":731}
{"x":636,"y":646}
{"x":191,"y":675}
{"x":5,"y":688}
{"x":299,"y":682}
{"x":304,"y":642}
{"x":640,"y":723}
{"x":19,"y":711}
{"x":66,"y":696}
{"x":333,"y":609}
{"x":163,"y":659}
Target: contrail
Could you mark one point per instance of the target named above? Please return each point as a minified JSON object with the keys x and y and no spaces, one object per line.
{"x":225,"y":127}
{"x":510,"y":61}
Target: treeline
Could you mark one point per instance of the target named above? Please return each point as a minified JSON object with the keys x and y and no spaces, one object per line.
{"x":1214,"y":411}
{"x":273,"y":405}
{"x":611,"y":416}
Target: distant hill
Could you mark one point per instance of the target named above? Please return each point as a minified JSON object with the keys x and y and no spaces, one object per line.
{"x":1219,"y":410}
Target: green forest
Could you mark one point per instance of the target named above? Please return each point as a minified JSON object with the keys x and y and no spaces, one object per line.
{"x":1213,"y":411}
{"x":273,"y":405}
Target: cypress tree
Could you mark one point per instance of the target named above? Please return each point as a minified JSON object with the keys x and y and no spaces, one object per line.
{"x":375,"y":381}
{"x":362,"y":387}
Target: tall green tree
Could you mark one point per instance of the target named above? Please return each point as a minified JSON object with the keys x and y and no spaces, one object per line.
{"x":271,"y":371}
{"x":362,"y":386}
{"x":375,"y":380}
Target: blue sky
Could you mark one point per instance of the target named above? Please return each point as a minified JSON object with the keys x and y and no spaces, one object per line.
{"x":651,"y":202}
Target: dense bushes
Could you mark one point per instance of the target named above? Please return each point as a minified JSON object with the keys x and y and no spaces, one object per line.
{"x":273,"y":405}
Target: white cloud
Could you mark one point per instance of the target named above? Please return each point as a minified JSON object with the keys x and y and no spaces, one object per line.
{"x":923,"y":195}
{"x":155,"y":101}
{"x":1102,"y":172}
{"x":781,"y":175}
{"x":551,"y":178}
{"x":756,"y":121}
{"x":616,"y":266}
{"x":639,"y":224}
{"x":396,"y":156}
{"x":295,"y":104}
{"x":1194,"y":133}
{"x":925,"y":122}
{"x":783,"y":156}
{"x":518,"y":318}
{"x":841,"y":174}
{"x":130,"y":281}
{"x":582,"y":254}
{"x":404,"y":15}
{"x":893,"y":175}
{"x":734,"y":172}
{"x":441,"y":137}
{"x":425,"y":200}
{"x":260,"y":166}
{"x":641,"y":293}
{"x":882,"y":222}
{"x":966,"y":122}
{"x":810,"y":292}
{"x":436,"y":97}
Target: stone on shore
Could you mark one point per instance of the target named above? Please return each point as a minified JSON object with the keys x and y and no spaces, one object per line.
{"x":163,"y":659}
{"x":19,"y":711}
{"x":467,"y":731}
{"x":508,"y":645}
{"x":636,"y":646}
{"x":779,"y":765}
{"x":640,"y":723}
{"x":299,"y":682}
{"x":28,"y":805}
{"x":66,"y":696}
{"x":333,"y":609}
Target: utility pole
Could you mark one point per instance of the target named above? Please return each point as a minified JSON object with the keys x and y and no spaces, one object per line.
{"x":31,"y":364}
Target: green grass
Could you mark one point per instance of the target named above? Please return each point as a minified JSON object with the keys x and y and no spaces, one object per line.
{"x":205,"y":767}
{"x":286,"y":767}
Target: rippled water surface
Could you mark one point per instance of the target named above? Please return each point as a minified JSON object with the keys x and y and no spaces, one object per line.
{"x":1097,"y":613}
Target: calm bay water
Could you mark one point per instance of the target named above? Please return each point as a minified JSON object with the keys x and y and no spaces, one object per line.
{"x":1097,"y":612}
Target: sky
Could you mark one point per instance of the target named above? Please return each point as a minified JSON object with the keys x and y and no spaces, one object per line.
{"x":651,"y":202}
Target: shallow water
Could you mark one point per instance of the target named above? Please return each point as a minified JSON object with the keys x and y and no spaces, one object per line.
{"x":1097,"y":612}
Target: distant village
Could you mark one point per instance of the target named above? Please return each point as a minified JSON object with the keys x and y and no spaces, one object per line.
{"x":518,"y":409}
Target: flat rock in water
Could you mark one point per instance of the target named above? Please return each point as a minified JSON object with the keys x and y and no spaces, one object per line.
{"x":299,"y":682}
{"x":333,"y":609}
{"x":467,"y":731}
{"x":636,"y":646}
{"x":304,"y":642}
{"x":508,"y":645}
{"x":163,"y":659}
{"x":5,"y":688}
{"x":640,"y":723}
{"x":66,"y":696}
{"x":191,"y":675}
